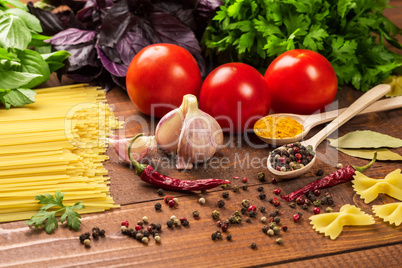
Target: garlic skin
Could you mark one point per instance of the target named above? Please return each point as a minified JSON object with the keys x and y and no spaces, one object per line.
{"x":192,"y":133}
{"x":142,"y":147}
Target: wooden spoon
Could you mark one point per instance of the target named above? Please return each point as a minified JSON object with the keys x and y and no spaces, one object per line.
{"x":310,"y":121}
{"x":365,"y":100}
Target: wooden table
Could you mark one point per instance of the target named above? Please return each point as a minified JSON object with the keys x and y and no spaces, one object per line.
{"x":378,"y":245}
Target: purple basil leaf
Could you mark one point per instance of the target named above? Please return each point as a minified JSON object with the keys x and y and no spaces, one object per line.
{"x":72,"y":36}
{"x":171,"y":5}
{"x":112,"y":67}
{"x":86,"y":12}
{"x":120,"y":81}
{"x":51,"y":25}
{"x":131,"y":44}
{"x":171,"y":30}
{"x":207,"y":7}
{"x":85,"y":74}
{"x":106,"y":80}
{"x":111,"y":53}
{"x":116,"y":24}
{"x":186,"y":16}
{"x":81,"y":55}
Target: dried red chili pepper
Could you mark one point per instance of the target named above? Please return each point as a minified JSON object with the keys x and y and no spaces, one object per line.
{"x":341,"y":175}
{"x":149,"y":175}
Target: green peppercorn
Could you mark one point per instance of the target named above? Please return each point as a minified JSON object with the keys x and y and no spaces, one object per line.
{"x":87,"y":243}
{"x":261,"y":176}
{"x":276,"y":230}
{"x":177,"y":222}
{"x":279,"y":241}
{"x":253,"y":245}
{"x":218,"y":235}
{"x":215,"y":214}
{"x":329,"y":209}
{"x":245,"y":203}
{"x":235,"y":189}
{"x":272,"y":225}
{"x":139,"y":236}
{"x":157,"y":239}
{"x":237,"y":213}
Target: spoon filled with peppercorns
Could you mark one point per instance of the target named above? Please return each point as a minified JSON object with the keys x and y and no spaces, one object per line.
{"x":294,"y":159}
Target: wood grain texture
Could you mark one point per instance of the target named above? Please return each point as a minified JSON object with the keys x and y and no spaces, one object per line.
{"x":378,"y":245}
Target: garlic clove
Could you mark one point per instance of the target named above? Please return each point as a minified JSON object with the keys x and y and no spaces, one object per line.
{"x":200,"y":137}
{"x":141,"y":147}
{"x":168,"y":130}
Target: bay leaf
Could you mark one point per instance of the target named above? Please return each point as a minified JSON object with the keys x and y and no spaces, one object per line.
{"x":383,"y":154}
{"x":366,"y":139}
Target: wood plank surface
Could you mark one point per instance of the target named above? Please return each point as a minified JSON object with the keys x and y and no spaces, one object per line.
{"x":378,"y":245}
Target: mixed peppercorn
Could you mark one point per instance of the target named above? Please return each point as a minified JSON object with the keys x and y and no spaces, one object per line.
{"x":291,"y":157}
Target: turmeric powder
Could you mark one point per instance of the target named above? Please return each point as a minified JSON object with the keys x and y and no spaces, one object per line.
{"x":280,"y":127}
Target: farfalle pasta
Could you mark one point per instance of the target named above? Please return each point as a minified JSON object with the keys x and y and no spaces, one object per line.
{"x":331,"y":224}
{"x":369,"y":188}
{"x":389,"y":212}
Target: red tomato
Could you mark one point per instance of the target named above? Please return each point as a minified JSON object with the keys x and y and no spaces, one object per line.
{"x":235,"y":94}
{"x":159,"y":76}
{"x":301,"y":81}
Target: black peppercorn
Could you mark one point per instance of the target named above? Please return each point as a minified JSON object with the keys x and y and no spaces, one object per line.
{"x":245,"y":187}
{"x":260,"y":189}
{"x":261,"y":176}
{"x":271,"y":200}
{"x":139,"y":236}
{"x":158,"y":206}
{"x":261,"y":209}
{"x":243,"y":210}
{"x":229,"y":237}
{"x":214,"y":236}
{"x":277,"y":220}
{"x":84,"y":236}
{"x":185,"y":223}
{"x":146,"y":233}
{"x":170,"y":224}
{"x":225,"y":194}
{"x":305,"y":206}
{"x":253,"y":245}
{"x":221,"y":203}
{"x":252,"y":214}
{"x":262,"y":196}
{"x":320,"y":172}
{"x":218,"y":235}
{"x":248,"y":220}
{"x":196,"y":214}
{"x":158,"y":227}
{"x":265,"y":229}
{"x":161,"y":192}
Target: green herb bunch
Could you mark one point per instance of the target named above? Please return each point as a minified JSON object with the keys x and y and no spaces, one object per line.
{"x":21,"y":68}
{"x":48,"y":220}
{"x":349,"y":33}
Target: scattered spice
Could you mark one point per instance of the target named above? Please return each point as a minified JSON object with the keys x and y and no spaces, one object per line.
{"x":339,"y":166}
{"x":261,"y":176}
{"x":248,"y":220}
{"x":224,"y":227}
{"x":157,"y":239}
{"x":225,"y":194}
{"x":274,"y":181}
{"x":316,"y":210}
{"x":275,"y":202}
{"x":276,"y":230}
{"x":263,"y":219}
{"x":270,"y":232}
{"x":262,"y":196}
{"x":158,"y":206}
{"x":196,"y":214}
{"x":260,"y":188}
{"x":235,"y":189}
{"x":245,"y":187}
{"x":279,"y":241}
{"x":277,"y":220}
{"x":253,"y":245}
{"x":292,"y":205}
{"x":186,"y":223}
{"x":145,"y":219}
{"x":171,"y":203}
{"x":252,"y":214}
{"x":170,"y":224}
{"x":145,"y":240}
{"x":244,"y":180}
{"x":125,"y":223}
{"x":261,"y":209}
{"x":265,"y":229}
{"x":87,"y":243}
{"x":215,"y":214}
{"x":201,"y":200}
{"x":278,"y":127}
{"x":229,"y":237}
{"x":277,"y":191}
{"x":320,"y":172}
{"x":245,"y":203}
{"x":221,"y":203}
{"x":329,"y":209}
{"x":296,"y":217}
{"x":341,"y":175}
{"x":252,"y":208}
{"x":161,"y":191}
{"x":284,"y":228}
{"x":236,"y":177}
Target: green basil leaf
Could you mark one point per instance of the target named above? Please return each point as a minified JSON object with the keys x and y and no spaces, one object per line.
{"x":13,"y":32}
{"x":17,"y":97}
{"x":30,"y":20}
{"x":14,"y":79}
{"x":32,"y":62}
{"x":15,"y":3}
{"x":55,"y":60}
{"x":37,"y":40}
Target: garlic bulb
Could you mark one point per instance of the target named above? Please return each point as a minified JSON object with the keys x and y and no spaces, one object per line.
{"x":190,"y":132}
{"x":142,"y":147}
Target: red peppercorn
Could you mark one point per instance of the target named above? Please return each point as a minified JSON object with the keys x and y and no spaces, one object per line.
{"x":167,"y":198}
{"x":245,"y":179}
{"x":284,"y":228}
{"x":224,"y":227}
{"x":252,"y":208}
{"x":273,"y":181}
{"x":171,"y":203}
{"x":277,"y":191}
{"x":317,"y":192}
{"x":296,"y":149}
{"x":278,"y":168}
{"x":300,"y":200}
{"x":182,"y":219}
{"x":275,"y":202}
{"x":125,"y":223}
{"x":282,"y":159}
{"x":296,"y":217}
{"x":150,"y":228}
{"x":138,"y":227}
{"x":219,"y":223}
{"x":235,"y":177}
{"x":316,"y":210}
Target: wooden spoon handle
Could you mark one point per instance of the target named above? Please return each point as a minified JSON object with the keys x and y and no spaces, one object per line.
{"x":378,"y":106}
{"x":365,"y":100}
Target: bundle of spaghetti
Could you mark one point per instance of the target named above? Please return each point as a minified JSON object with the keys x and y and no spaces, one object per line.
{"x":56,"y":143}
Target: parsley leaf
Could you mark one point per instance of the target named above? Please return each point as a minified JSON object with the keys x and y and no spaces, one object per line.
{"x":47,"y":219}
{"x":350,"y":34}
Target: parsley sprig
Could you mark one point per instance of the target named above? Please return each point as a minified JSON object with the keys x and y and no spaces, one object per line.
{"x":48,"y":220}
{"x":351,"y":34}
